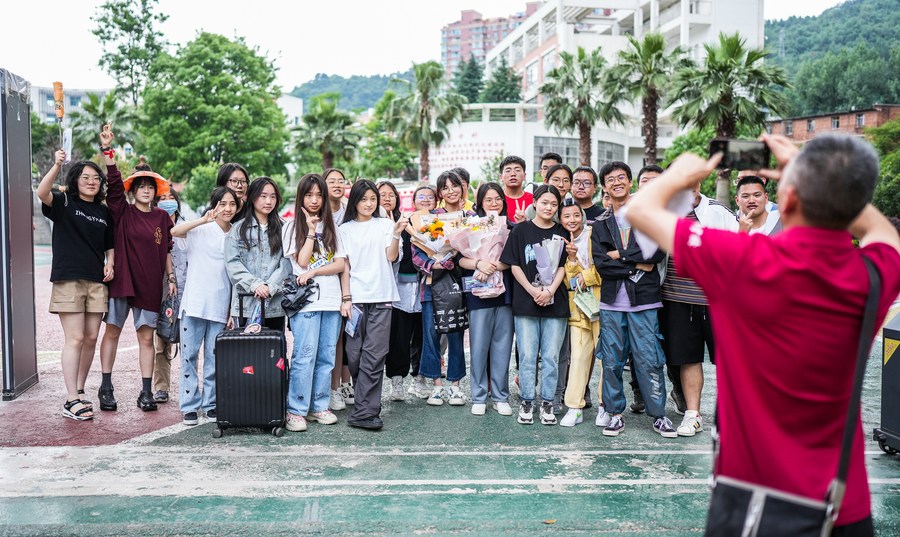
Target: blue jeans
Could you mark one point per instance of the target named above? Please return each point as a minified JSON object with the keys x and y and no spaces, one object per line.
{"x":194,"y":333}
{"x":430,"y":365}
{"x":315,"y":339}
{"x":640,"y":332}
{"x":490,"y":333}
{"x":544,"y":334}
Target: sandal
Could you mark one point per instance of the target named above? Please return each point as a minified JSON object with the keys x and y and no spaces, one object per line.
{"x":84,"y":401}
{"x":77,"y":410}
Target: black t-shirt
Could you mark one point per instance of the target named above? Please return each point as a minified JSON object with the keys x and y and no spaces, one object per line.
{"x":592,"y":213}
{"x":82,"y":232}
{"x":519,"y":251}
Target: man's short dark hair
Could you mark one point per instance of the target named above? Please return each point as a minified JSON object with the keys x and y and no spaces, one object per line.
{"x":512,"y":159}
{"x":649,"y":168}
{"x":610,"y":167}
{"x":750,"y":180}
{"x":587,"y":169}
{"x":835,"y":177}
{"x":551,"y":156}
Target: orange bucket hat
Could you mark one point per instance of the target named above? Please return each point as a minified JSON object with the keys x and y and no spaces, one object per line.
{"x":162,"y":184}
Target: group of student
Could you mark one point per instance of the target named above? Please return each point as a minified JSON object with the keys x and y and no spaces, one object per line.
{"x":124,"y":256}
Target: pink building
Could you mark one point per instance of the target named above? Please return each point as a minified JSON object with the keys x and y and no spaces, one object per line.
{"x":474,"y":36}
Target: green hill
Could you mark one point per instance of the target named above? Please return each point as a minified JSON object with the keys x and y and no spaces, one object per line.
{"x":357,"y":92}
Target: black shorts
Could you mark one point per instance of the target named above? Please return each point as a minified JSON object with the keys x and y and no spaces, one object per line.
{"x":685,"y":329}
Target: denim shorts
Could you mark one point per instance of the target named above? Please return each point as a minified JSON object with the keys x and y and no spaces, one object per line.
{"x":118,"y":312}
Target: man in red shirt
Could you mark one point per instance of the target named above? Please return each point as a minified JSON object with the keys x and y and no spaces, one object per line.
{"x":512,"y":176}
{"x":783,"y":398}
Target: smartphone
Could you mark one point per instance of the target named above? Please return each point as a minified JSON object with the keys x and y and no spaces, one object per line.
{"x":741,"y":154}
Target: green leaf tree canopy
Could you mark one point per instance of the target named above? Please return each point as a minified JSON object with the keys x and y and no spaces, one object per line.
{"x":421,"y":118}
{"x":643,"y":72}
{"x":574,"y":97}
{"x":468,"y":80}
{"x":214,"y":102}
{"x":328,"y":130}
{"x":732,"y":86}
{"x":504,"y":85}
{"x":97,"y":111}
{"x":128,"y":31}
{"x":886,"y":140}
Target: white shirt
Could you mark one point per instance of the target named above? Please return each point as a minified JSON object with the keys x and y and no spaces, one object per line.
{"x":330,"y":285}
{"x":207,"y":289}
{"x":772,"y":218}
{"x":371,"y":275}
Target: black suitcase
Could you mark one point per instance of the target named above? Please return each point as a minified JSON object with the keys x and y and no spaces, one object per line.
{"x":251,"y":379}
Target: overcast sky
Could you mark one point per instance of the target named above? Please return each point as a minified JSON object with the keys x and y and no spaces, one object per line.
{"x":51,"y":39}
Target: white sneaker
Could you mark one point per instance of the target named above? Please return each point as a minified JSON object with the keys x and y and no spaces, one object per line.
{"x":456,"y":396}
{"x":397,"y":389}
{"x":547,"y":415}
{"x":691,"y":424}
{"x":526,"y":413}
{"x":347,"y":393}
{"x":478,"y":409}
{"x":437,"y":397}
{"x":419,"y":389}
{"x":603,"y":417}
{"x":337,"y":401}
{"x":295,"y":423}
{"x":503,"y":409}
{"x":572,"y":418}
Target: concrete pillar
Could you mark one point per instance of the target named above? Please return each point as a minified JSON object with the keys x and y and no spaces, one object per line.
{"x":562,"y":29}
{"x":638,"y":23}
{"x":654,"y":15}
{"x":685,"y":26}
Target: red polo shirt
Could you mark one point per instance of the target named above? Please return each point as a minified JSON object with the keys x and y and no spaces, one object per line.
{"x":788,"y":311}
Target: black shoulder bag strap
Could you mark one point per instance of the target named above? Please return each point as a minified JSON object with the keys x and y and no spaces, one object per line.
{"x":867,"y":333}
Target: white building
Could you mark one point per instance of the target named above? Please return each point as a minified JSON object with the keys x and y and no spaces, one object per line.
{"x":292,"y":108}
{"x":43,"y":104}
{"x":533,"y":48}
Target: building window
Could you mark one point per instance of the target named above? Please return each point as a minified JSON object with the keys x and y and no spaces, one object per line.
{"x":566,"y":147}
{"x":608,"y":152}
{"x":769,"y":128}
{"x":860,"y":121}
{"x":531,"y":75}
{"x":835,"y":122}
{"x":788,"y":128}
{"x":548,"y":62}
{"x":810,"y":125}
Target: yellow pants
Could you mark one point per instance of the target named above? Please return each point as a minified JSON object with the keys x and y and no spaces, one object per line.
{"x":162,"y":364}
{"x":582,"y":345}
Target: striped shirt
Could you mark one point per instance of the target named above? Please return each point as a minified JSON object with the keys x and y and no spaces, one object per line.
{"x":678,"y":288}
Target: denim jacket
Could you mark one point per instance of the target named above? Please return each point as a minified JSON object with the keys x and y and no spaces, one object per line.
{"x":248,"y":268}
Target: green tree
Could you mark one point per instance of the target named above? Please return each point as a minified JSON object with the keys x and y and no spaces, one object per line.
{"x":44,"y":143}
{"x":574,"y":97}
{"x":732,"y":86}
{"x":504,"y":85}
{"x":642,"y":72}
{"x":128,"y":31}
{"x":214,"y":102}
{"x":421,"y":118}
{"x":201,"y":184}
{"x":97,"y":111}
{"x":328,"y":130}
{"x":886,"y":140}
{"x":383,"y":155}
{"x":468,"y":80}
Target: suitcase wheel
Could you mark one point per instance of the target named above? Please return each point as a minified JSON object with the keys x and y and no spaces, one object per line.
{"x":278,"y":431}
{"x":217,"y":433}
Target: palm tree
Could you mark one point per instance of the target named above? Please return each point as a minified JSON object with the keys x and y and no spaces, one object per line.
{"x":644,"y":71}
{"x":421,"y":117}
{"x":328,"y":130}
{"x":96,"y":112}
{"x":574,"y":97}
{"x":732,"y":87}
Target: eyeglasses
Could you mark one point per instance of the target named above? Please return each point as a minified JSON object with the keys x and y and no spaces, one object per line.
{"x":582,"y":184}
{"x":389,"y":196}
{"x":88,"y":179}
{"x":238,"y":182}
{"x":617,"y":178}
{"x":424,"y":197}
{"x":335,"y":182}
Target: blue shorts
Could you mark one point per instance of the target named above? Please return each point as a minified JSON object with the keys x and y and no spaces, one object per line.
{"x":118,"y":312}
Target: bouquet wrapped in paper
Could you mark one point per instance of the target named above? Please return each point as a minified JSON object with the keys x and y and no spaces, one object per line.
{"x":483,"y":238}
{"x":430,"y":232}
{"x":547,"y":255}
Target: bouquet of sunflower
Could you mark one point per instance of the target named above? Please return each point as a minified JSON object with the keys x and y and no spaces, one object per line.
{"x":430,"y":232}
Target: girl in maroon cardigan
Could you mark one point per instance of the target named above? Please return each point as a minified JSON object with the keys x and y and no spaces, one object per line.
{"x":143,"y":246}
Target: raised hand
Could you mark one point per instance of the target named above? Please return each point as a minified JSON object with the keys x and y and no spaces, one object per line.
{"x":400,"y":225}
{"x":59,"y":157}
{"x":211,"y":215}
{"x":106,"y":135}
{"x":311,"y":221}
{"x":572,"y":249}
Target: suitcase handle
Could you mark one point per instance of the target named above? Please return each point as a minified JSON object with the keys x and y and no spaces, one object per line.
{"x":262,"y":305}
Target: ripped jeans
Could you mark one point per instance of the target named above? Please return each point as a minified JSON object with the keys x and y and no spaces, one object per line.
{"x":315,"y":338}
{"x":640,"y":330}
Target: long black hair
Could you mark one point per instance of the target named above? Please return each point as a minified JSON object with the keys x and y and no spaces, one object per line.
{"x":75,"y":172}
{"x":482,"y":192}
{"x":358,"y":190}
{"x":452,"y":177}
{"x":273,"y":231}
{"x":301,"y":230}
{"x":395,"y":214}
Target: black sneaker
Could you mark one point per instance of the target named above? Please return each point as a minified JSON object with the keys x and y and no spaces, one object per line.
{"x":107,"y":399}
{"x":638,"y":405}
{"x":680,"y":403}
{"x":145,"y":402}
{"x":526,"y":413}
{"x":558,"y":407}
{"x":211,"y":415}
{"x":190,"y":418}
{"x":547,"y":416}
{"x":161,"y":396}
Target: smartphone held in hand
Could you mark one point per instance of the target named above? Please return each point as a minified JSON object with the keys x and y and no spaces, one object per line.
{"x":741,"y":154}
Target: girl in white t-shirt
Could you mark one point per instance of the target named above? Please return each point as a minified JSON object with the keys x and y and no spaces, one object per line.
{"x":311,"y":243}
{"x":371,"y":244}
{"x":204,"y":305}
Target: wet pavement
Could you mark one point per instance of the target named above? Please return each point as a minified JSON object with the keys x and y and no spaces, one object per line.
{"x":431,"y":471}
